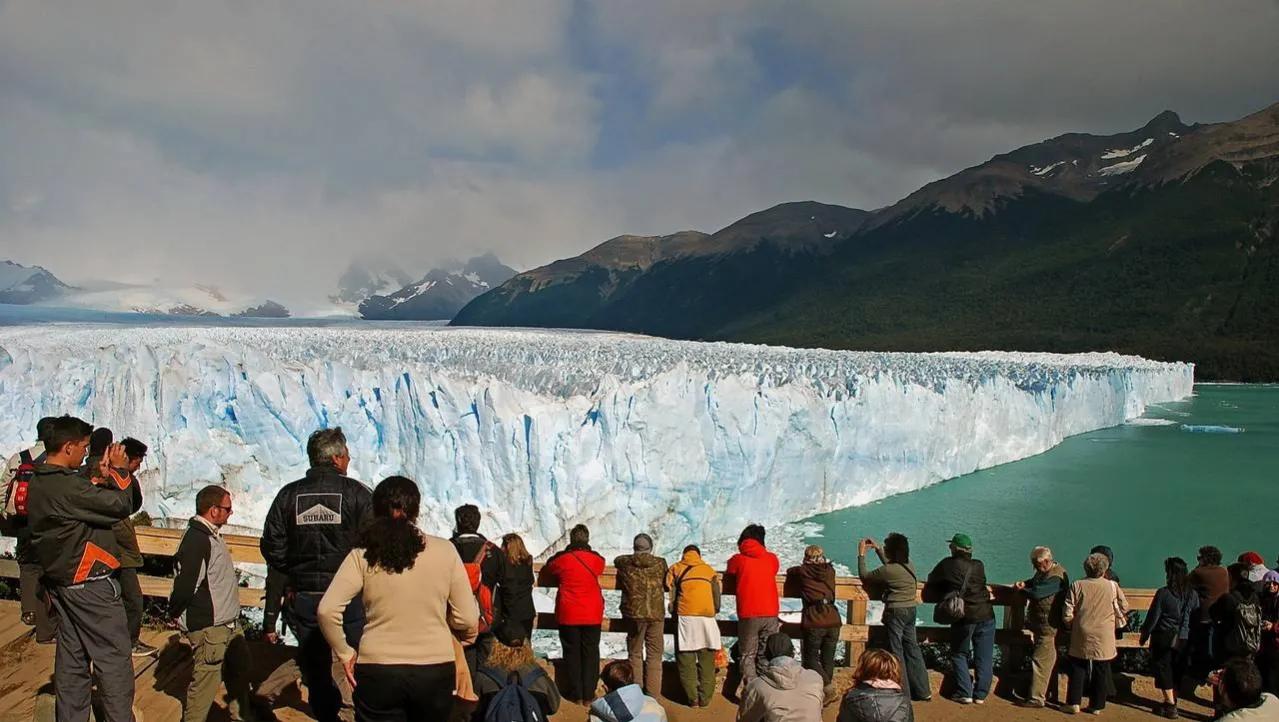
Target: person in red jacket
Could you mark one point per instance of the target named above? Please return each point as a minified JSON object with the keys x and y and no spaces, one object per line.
{"x":579,"y":612}
{"x":754,"y":569}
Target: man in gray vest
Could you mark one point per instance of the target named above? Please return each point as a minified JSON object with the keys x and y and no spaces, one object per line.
{"x":206,"y":603}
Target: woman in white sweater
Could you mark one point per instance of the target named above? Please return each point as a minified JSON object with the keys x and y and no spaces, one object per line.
{"x":417,"y":598}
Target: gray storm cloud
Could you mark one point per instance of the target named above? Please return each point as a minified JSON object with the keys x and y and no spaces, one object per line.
{"x":263,"y":146}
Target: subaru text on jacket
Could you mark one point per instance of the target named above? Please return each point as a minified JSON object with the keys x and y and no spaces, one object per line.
{"x":205,"y":593}
{"x":948,"y":575}
{"x":579,"y":601}
{"x":71,"y":520}
{"x":312,"y":526}
{"x":783,"y":692}
{"x":865,"y":703}
{"x":642,"y":579}
{"x":627,"y":704}
{"x":754,"y":568}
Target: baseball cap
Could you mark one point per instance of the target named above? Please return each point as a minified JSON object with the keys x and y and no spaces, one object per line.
{"x":962,"y":541}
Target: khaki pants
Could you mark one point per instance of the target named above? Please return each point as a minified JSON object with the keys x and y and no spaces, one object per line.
{"x":1043,"y":659}
{"x":218,"y":652}
{"x":644,"y":647}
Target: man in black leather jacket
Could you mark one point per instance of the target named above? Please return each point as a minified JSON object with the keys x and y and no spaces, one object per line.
{"x":309,"y":530}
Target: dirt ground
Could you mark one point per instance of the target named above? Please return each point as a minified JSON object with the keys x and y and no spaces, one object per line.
{"x":161,"y":682}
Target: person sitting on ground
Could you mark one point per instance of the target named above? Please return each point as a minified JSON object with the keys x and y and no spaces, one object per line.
{"x":623,"y":700}
{"x":754,"y":569}
{"x":1167,"y":627}
{"x":515,"y":592}
{"x":1256,"y":567}
{"x":579,"y":612}
{"x":1237,"y":616}
{"x":877,"y":694}
{"x":1211,"y":582}
{"x":70,"y":520}
{"x":896,"y":584}
{"x":34,"y":597}
{"x":641,"y":577}
{"x":695,"y":600}
{"x":510,"y":661}
{"x":487,"y":565}
{"x":1268,"y":658}
{"x":417,"y":596}
{"x":1046,"y":594}
{"x":205,"y":601}
{"x":1093,"y":610}
{"x":820,"y":620}
{"x":783,"y":691}
{"x":1238,"y":687}
{"x":972,"y":640}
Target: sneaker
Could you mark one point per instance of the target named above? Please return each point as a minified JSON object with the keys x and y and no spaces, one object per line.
{"x":1032,"y":703}
{"x":1070,"y":708}
{"x":979,"y":700}
{"x":1170,"y":711}
{"x":142,"y":649}
{"x":1092,"y":710}
{"x":961,"y":700}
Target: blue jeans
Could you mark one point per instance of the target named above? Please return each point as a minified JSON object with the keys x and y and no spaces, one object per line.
{"x":972,"y":648}
{"x":904,"y":642}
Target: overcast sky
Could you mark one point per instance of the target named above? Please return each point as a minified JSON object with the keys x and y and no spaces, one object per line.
{"x":261,"y":145}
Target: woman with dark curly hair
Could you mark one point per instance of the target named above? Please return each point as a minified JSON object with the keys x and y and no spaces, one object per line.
{"x":416,"y":596}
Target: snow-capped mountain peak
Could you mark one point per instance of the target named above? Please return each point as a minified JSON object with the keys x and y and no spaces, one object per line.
{"x":22,"y":285}
{"x":441,"y":293}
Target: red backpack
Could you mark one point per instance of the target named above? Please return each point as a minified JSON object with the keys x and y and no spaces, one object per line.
{"x":17,"y":488}
{"x":483,"y":594}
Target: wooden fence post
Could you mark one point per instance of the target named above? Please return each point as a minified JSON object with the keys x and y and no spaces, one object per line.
{"x":857,"y":609}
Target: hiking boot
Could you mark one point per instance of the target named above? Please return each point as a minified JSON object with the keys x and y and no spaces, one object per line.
{"x":142,"y":649}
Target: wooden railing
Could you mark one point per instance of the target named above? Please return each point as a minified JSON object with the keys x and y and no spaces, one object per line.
{"x":856,"y":631}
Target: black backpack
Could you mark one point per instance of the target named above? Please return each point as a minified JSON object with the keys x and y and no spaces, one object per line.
{"x":513,"y":701}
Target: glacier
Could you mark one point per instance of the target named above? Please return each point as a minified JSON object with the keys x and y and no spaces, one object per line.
{"x":543,"y":429}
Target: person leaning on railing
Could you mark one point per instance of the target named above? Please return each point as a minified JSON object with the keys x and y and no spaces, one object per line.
{"x":1046,"y":593}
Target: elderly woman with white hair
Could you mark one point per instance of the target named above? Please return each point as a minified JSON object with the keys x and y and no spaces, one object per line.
{"x":1095,"y":607}
{"x":1046,"y":593}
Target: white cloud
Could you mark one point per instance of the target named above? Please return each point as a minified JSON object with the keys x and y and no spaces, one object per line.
{"x":260,"y":146}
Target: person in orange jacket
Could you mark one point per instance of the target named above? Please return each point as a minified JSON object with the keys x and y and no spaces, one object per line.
{"x":754,"y":569}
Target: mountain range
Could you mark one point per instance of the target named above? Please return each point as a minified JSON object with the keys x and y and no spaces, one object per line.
{"x":28,"y":284}
{"x":1159,"y":241}
{"x":440,"y":294}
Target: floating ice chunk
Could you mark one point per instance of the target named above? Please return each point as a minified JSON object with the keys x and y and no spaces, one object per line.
{"x":1211,"y":429}
{"x":1150,"y":422}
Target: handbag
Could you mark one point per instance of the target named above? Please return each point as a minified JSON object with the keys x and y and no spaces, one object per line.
{"x":1121,"y":619}
{"x":951,"y":608}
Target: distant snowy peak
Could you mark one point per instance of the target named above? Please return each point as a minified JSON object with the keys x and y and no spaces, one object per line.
{"x":360,"y":281}
{"x":196,"y":300}
{"x":28,"y":284}
{"x":440,"y":294}
{"x":1080,"y":166}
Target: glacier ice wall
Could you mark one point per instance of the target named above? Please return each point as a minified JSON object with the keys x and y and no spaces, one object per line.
{"x":544,"y":429}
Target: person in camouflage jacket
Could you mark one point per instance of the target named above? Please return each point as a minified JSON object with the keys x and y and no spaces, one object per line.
{"x":642,"y":578}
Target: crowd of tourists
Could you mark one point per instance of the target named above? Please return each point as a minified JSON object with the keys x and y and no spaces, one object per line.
{"x":392,"y":623}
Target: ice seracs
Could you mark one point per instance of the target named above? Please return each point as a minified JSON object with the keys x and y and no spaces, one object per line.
{"x":545,"y":429}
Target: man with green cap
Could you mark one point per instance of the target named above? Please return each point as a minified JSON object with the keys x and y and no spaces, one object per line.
{"x":960,"y":581}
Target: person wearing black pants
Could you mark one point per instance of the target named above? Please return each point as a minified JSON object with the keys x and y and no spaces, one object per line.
{"x":1091,"y":673}
{"x":400,"y":692}
{"x":581,"y":661}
